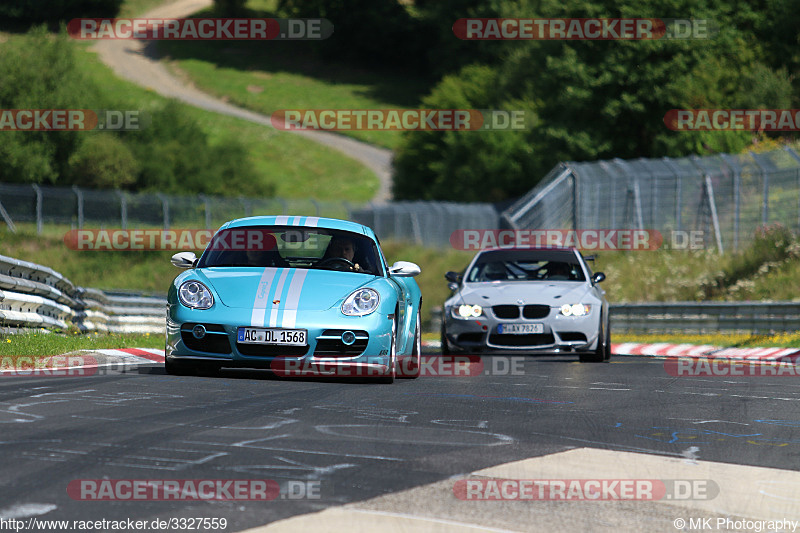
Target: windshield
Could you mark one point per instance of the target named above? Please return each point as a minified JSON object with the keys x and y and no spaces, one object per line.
{"x":525,"y":266}
{"x":292,"y":247}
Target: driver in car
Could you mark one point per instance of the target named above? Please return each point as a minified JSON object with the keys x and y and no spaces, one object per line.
{"x":342,"y":248}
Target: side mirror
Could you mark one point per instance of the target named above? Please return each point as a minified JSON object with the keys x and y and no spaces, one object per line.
{"x":404,"y":269}
{"x":453,"y":277}
{"x":184,"y":259}
{"x":598,"y":277}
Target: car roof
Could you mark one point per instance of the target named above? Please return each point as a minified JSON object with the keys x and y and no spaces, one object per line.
{"x":300,"y":221}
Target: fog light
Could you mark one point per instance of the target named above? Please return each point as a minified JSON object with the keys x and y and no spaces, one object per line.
{"x":348,"y":338}
{"x":199,"y":331}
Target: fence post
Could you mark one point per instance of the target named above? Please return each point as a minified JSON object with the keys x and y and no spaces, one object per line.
{"x":39,"y":222}
{"x":713,"y":207}
{"x":7,"y":219}
{"x":737,"y":188}
{"x":164,"y":209}
{"x":248,"y":208}
{"x":207,"y":209}
{"x":765,"y":200}
{"x":79,"y":196}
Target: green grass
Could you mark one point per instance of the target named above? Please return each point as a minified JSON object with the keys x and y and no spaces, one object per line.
{"x":672,"y":275}
{"x":298,"y":168}
{"x":143,"y":271}
{"x":268,"y":76}
{"x":43,"y":344}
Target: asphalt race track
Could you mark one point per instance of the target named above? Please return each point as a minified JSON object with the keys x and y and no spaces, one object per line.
{"x":360,"y":440}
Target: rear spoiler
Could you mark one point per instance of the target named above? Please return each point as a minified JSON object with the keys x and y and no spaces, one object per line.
{"x":590,"y":258}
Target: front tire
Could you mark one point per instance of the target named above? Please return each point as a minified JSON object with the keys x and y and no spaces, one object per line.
{"x":389,"y":378}
{"x":445,"y":346}
{"x":602,"y":353}
{"x":412,"y":365}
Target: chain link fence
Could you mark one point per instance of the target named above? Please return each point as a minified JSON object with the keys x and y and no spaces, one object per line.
{"x":726,"y":197}
{"x":424,"y":223}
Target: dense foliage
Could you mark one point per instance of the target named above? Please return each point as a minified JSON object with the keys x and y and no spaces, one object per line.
{"x":590,"y":100}
{"x":170,"y":154}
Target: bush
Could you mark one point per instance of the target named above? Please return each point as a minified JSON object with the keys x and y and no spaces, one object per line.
{"x":103,"y":162}
{"x":38,"y":72}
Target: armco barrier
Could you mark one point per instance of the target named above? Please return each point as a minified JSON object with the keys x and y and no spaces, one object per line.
{"x":695,"y":317}
{"x":35,"y":296}
{"x":706,"y":317}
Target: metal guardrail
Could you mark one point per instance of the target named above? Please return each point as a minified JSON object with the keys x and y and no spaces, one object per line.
{"x":695,"y":317}
{"x":706,"y":317}
{"x":35,"y":296}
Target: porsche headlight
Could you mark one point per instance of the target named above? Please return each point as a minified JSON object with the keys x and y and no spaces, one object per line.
{"x":195,"y":295}
{"x":575,"y":309}
{"x":361,"y":302}
{"x":467,"y":311}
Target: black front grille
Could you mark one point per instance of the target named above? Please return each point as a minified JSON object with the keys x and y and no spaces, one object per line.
{"x":536,"y":311}
{"x":533,"y":339}
{"x":330,"y":343}
{"x":214,"y":341}
{"x":506,"y":311}
{"x":572,"y":336}
{"x":269,"y":350}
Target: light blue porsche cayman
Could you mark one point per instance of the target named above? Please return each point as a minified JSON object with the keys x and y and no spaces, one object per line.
{"x":302,"y":296}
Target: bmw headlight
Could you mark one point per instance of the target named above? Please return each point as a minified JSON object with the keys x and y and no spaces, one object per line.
{"x":575,"y":309}
{"x":195,"y":295}
{"x":467,"y":311}
{"x":361,"y":302}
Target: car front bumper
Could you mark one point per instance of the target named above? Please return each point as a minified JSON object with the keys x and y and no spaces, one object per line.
{"x":370,"y":352}
{"x":561,"y":334}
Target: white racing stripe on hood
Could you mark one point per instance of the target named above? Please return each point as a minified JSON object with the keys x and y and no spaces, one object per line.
{"x":295,"y":288}
{"x":281,"y":221}
{"x":262,"y":296}
{"x":312,"y":222}
{"x":273,"y":315}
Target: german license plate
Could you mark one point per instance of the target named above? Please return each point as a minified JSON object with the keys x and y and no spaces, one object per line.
{"x":520,"y":329}
{"x":280,"y":336}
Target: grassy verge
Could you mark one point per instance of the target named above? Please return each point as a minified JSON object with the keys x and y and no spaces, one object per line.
{"x":268,"y":76}
{"x":43,"y":344}
{"x":298,"y":168}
